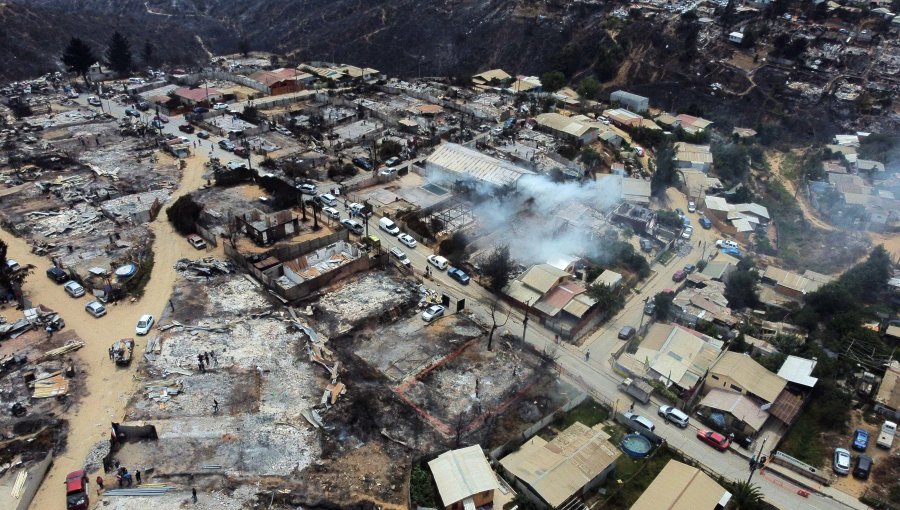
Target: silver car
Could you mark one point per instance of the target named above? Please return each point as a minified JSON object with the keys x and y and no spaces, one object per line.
{"x":96,"y":309}
{"x":841,"y":463}
{"x":432,"y":312}
{"x":74,"y":289}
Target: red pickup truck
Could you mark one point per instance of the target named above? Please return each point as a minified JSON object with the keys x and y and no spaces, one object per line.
{"x":186,"y":128}
{"x":77,"y":491}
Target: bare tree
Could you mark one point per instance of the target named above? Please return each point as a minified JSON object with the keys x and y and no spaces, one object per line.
{"x":494,"y":324}
{"x":459,"y":427}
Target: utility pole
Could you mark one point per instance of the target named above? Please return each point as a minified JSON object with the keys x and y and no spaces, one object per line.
{"x":643,"y":314}
{"x":525,"y":321}
{"x":757,"y":460}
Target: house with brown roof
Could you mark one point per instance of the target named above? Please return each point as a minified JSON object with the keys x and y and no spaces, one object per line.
{"x":682,"y":487}
{"x":673,"y":355}
{"x":746,"y":393}
{"x":199,"y":95}
{"x":558,"y":300}
{"x":280,"y":81}
{"x":693,"y":124}
{"x":554,"y":472}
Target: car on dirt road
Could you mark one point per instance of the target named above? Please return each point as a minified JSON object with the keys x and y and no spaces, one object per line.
{"x":220,"y":106}
{"x":94,"y":101}
{"x":679,"y":275}
{"x":74,"y":289}
{"x":458,"y":275}
{"x":860,"y":440}
{"x":196,"y":241}
{"x":407,"y":239}
{"x":77,"y":491}
{"x":687,"y":232}
{"x":57,"y":275}
{"x":718,"y":441}
{"x":692,"y":206}
{"x":186,"y":128}
{"x":202,"y":135}
{"x":432,"y":312}
{"x":705,"y":223}
{"x":96,"y":309}
{"x":363,"y":163}
{"x":144,"y":324}
{"x":841,"y":462}
{"x":650,"y":308}
{"x":226,"y":145}
{"x":690,"y":268}
{"x":438,"y":262}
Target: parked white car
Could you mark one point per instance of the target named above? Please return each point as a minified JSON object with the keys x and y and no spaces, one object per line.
{"x":331,"y":212}
{"x":438,"y":262}
{"x":687,"y":232}
{"x":407,"y":239}
{"x":220,"y":106}
{"x":144,"y":324}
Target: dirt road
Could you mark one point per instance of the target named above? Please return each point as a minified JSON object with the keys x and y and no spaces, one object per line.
{"x":775,"y":161}
{"x":108,"y":387}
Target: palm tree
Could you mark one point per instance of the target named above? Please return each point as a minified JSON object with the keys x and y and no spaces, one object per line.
{"x":746,"y":496}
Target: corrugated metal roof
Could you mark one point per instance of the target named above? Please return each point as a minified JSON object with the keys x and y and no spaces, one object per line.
{"x":736,"y":404}
{"x":889,"y":391}
{"x":682,"y":487}
{"x":797,"y":370}
{"x":456,"y":159}
{"x":462,"y":473}
{"x":542,"y":277}
{"x":560,"y":468}
{"x":579,"y":305}
{"x":750,"y":375}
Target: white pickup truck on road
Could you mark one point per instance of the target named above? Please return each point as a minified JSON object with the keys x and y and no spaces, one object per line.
{"x":886,"y":437}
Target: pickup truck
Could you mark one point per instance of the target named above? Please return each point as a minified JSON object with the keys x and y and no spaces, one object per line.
{"x":638,"y":389}
{"x":886,"y":436}
{"x":77,"y":491}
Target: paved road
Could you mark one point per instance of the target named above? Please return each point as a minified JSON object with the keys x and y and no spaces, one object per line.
{"x":594,"y":375}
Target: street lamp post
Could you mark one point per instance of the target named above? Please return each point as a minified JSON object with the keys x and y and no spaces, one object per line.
{"x":757,"y":460}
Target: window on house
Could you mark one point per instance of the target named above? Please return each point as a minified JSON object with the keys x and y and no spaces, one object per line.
{"x":737,"y":388}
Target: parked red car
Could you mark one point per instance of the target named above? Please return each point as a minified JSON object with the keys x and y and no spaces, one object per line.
{"x":77,"y":491}
{"x":186,"y":128}
{"x":714,"y":439}
{"x":679,"y":275}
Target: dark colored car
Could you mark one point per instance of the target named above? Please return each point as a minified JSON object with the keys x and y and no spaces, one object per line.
{"x":690,"y":268}
{"x":77,"y":491}
{"x":679,"y":275}
{"x":186,"y":128}
{"x":860,"y":440}
{"x":458,"y":275}
{"x":646,"y":245}
{"x":132,"y":112}
{"x":143,"y":106}
{"x":626,"y":333}
{"x":705,"y":223}
{"x":241,"y":151}
{"x":714,"y":439}
{"x":57,"y":275}
{"x":863,"y":467}
{"x":649,"y":308}
{"x":363,"y":163}
{"x":200,"y":109}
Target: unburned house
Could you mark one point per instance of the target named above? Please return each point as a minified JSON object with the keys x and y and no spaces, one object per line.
{"x":682,"y":487}
{"x":567,"y":127}
{"x":464,"y":478}
{"x":887,"y":400}
{"x":560,"y":302}
{"x":553,"y":472}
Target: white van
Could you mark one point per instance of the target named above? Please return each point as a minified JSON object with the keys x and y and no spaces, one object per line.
{"x":328,"y":199}
{"x":389,"y":226}
{"x":727,"y":243}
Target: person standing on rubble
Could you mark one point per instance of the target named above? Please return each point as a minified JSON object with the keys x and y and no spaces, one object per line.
{"x":215,"y":406}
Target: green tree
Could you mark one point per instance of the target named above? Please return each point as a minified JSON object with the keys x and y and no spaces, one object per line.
{"x":79,"y":57}
{"x":12,"y":279}
{"x":497,"y":268}
{"x":606,"y":297}
{"x":746,"y":496}
{"x":148,"y":54}
{"x":588,"y":88}
{"x":421,"y":487}
{"x":183,"y":214}
{"x":553,"y":81}
{"x":665,"y":173}
{"x":669,"y":219}
{"x":118,"y":54}
{"x":663,"y":302}
{"x":740,"y":289}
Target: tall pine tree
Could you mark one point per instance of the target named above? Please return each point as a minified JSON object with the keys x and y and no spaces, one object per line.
{"x":118,"y":54}
{"x":79,"y":57}
{"x":148,"y":54}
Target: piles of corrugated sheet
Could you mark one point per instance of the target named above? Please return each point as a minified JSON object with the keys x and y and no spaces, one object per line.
{"x":163,"y":391}
{"x":50,"y":385}
{"x":204,"y":267}
{"x":70,"y":346}
{"x":19,"y":486}
{"x":148,"y":489}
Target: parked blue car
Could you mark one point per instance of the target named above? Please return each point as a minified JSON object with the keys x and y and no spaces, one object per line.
{"x":734,"y":252}
{"x":458,"y":275}
{"x":705,"y":223}
{"x":860,"y":440}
